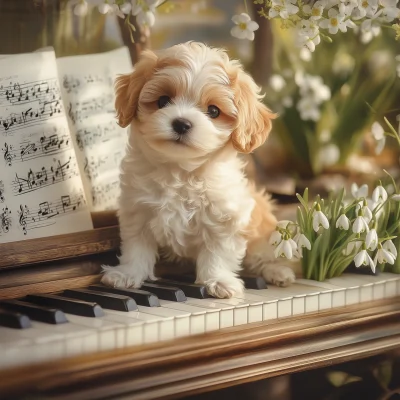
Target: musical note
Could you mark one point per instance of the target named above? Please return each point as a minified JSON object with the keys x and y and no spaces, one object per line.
{"x":22,"y":217}
{"x":2,"y":198}
{"x":5,"y":220}
{"x":7,"y":154}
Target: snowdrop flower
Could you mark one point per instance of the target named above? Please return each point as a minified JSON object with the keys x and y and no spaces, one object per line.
{"x":360,"y":224}
{"x":244,"y":28}
{"x":343,"y":222}
{"x":390,"y":10}
{"x":277,"y":82}
{"x":285,"y":249}
{"x":334,"y":22}
{"x":316,"y":11}
{"x":359,"y":192}
{"x":384,"y":256}
{"x":283,"y":8}
{"x":126,"y":8}
{"x":275,"y":238}
{"x":302,"y":241}
{"x":389,"y":246}
{"x":144,"y":12}
{"x":283,"y":224}
{"x":371,"y":240}
{"x":366,"y":209}
{"x":379,"y":195}
{"x":353,"y":246}
{"x":363,"y":258}
{"x":379,"y":135}
{"x":396,"y":197}
{"x":365,"y":7}
{"x":319,"y":219}
{"x":81,"y":8}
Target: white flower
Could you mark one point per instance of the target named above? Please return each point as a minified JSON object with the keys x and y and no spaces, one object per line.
{"x":343,"y":222}
{"x":384,"y":256}
{"x":367,"y":36}
{"x":371,"y":240}
{"x":396,"y":197}
{"x":389,"y":246}
{"x":277,"y":82}
{"x":81,"y":8}
{"x":302,"y":241}
{"x":283,"y":224}
{"x":283,"y":8}
{"x":360,"y":225}
{"x":379,"y":135}
{"x":353,"y":246}
{"x":308,"y":109}
{"x":363,"y":258}
{"x":346,"y":7}
{"x":328,"y":155}
{"x":366,"y":209}
{"x":365,"y":7}
{"x":316,"y":11}
{"x":319,"y":219}
{"x":313,"y":86}
{"x":285,"y":249}
{"x":275,"y":238}
{"x":359,"y":192}
{"x":126,"y":8}
{"x":334,"y":22}
{"x":305,"y":54}
{"x":144,"y":12}
{"x":308,"y":43}
{"x":389,"y":11}
{"x":244,"y":28}
{"x":110,"y":9}
{"x":379,"y":195}
{"x":371,"y":23}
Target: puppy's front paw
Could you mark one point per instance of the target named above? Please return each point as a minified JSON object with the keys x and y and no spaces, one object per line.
{"x":279,"y":275}
{"x":225,"y":288}
{"x":122,"y":276}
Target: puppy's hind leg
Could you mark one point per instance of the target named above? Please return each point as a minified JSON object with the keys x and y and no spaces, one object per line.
{"x":260,"y":260}
{"x":139,"y":254}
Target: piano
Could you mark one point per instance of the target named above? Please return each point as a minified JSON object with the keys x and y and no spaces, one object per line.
{"x":63,"y":335}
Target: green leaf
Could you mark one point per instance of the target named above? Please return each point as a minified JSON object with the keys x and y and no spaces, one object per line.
{"x":301,"y":200}
{"x":339,"y":378}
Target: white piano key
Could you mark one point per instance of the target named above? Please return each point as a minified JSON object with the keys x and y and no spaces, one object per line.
{"x":240,"y":311}
{"x":338,"y":294}
{"x":352,"y":289}
{"x":133,"y":334}
{"x":225,"y":310}
{"x":366,"y":282}
{"x":209,"y":317}
{"x":391,"y":282}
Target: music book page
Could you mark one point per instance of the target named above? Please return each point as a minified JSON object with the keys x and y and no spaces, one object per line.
{"x":88,"y":94}
{"x":41,"y":191}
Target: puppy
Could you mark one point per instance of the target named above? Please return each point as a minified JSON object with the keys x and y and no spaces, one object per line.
{"x":183,"y":191}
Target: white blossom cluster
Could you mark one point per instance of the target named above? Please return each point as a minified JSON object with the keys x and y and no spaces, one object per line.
{"x":143,"y":10}
{"x":324,"y":18}
{"x":362,"y":240}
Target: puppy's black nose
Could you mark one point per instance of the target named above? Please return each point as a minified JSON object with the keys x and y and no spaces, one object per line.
{"x":181,"y":125}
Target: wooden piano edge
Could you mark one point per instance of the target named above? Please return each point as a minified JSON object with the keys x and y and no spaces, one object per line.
{"x":215,"y":360}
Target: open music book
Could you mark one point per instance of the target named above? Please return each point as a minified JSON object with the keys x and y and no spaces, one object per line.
{"x":60,"y":144}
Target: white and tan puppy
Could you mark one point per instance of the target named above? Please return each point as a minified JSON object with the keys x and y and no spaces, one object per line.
{"x":183,"y":190}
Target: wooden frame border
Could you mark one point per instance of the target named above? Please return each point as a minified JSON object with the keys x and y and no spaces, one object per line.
{"x":215,"y":360}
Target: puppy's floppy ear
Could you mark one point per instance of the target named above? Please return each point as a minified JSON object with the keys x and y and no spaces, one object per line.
{"x":253,"y":122}
{"x":129,"y":86}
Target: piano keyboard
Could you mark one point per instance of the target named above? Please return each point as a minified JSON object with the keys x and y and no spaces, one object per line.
{"x":40,"y":328}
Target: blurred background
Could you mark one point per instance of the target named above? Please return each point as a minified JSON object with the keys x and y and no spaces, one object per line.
{"x":331,"y":102}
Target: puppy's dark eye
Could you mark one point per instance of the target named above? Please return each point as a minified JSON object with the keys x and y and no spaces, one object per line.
{"x":213,"y":111}
{"x":163,"y":101}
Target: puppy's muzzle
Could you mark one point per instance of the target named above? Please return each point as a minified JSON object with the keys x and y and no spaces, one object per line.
{"x":181,"y":126}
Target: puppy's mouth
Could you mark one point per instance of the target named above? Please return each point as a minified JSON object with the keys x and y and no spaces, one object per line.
{"x":180,"y":140}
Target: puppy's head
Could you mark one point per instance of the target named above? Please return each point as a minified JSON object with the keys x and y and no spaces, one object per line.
{"x":190,"y":100}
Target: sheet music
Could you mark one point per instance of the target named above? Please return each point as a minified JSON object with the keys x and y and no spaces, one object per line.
{"x":88,"y":94}
{"x":41,"y":192}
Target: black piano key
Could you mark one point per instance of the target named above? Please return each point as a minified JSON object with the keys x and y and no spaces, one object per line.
{"x":170,"y":293}
{"x":106,"y":300}
{"x":70,"y":306}
{"x":141,"y":297}
{"x":189,"y":289}
{"x":14,"y":320}
{"x":189,"y":278}
{"x":35,"y":312}
{"x":253,"y":282}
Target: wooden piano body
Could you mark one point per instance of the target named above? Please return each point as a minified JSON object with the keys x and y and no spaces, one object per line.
{"x":196,"y":363}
